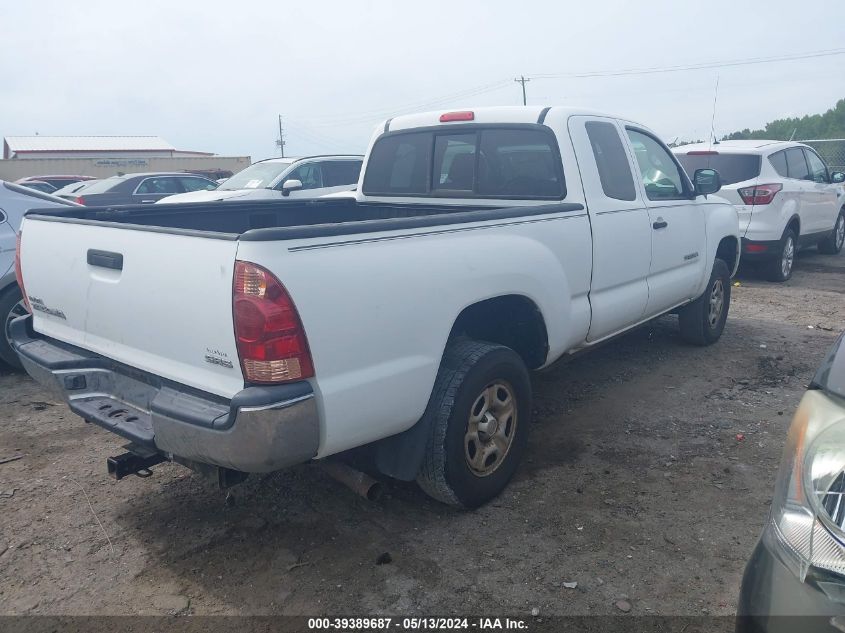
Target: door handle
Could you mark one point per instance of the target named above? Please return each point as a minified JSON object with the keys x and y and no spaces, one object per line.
{"x":660,"y":224}
{"x":105,"y":259}
{"x":147,"y":201}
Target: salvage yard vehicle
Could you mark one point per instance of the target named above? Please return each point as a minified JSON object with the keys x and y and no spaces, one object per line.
{"x":253,"y":335}
{"x":785,"y":195}
{"x":58,"y":181}
{"x":278,"y":178}
{"x":15,"y":200}
{"x":796,"y":577}
{"x":144,"y":188}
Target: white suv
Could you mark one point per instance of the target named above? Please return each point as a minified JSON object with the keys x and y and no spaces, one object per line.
{"x":785,"y":196}
{"x":278,"y":178}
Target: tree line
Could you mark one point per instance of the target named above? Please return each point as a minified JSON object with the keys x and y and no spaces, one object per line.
{"x":831,"y":124}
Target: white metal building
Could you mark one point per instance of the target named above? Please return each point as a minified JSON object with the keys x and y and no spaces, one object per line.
{"x":29,"y":147}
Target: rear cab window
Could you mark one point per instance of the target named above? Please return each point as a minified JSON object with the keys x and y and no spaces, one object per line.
{"x":732,"y":168}
{"x":467,"y":161}
{"x":617,"y":182}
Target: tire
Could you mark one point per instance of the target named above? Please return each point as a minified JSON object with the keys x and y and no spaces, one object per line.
{"x":468,"y":462}
{"x":11,"y":307}
{"x":703,"y":321}
{"x":832,"y":244}
{"x":780,"y":268}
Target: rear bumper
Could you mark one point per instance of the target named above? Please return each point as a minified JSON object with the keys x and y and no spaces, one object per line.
{"x":758,"y":251}
{"x":260,"y":429}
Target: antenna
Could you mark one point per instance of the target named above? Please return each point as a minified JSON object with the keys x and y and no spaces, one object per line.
{"x":792,"y":136}
{"x":713,"y":119}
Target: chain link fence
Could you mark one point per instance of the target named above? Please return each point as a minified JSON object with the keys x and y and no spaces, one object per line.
{"x":831,"y":150}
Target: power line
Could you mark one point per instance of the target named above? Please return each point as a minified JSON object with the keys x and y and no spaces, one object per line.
{"x":700,"y":66}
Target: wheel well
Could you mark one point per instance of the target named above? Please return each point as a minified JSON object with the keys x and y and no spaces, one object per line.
{"x":727,"y":252}
{"x":511,"y":320}
{"x":795,"y":225}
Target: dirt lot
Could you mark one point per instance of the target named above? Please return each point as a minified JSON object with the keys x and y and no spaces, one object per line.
{"x":637,"y":486}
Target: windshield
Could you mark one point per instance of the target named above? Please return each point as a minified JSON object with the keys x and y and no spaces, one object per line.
{"x":732,"y":168}
{"x":257,"y":176}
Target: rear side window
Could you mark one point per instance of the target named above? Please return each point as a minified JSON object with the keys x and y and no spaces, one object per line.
{"x":472,"y":162}
{"x":796,"y":165}
{"x":197,"y":184}
{"x":732,"y":168}
{"x":611,"y":160}
{"x":337,"y":173}
{"x":778,"y":161}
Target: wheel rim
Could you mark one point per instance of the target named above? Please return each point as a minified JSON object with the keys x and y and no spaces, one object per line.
{"x":717,"y":303}
{"x":18,"y":310}
{"x":491,"y":428}
{"x":788,"y":256}
{"x":840,"y":232}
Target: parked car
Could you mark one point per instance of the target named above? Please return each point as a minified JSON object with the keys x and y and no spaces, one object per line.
{"x":15,"y":200}
{"x":785,"y":195}
{"x":58,"y":181}
{"x":38,"y":185}
{"x":71,"y":191}
{"x":141,"y":188}
{"x":277,"y":178}
{"x":795,"y":579}
{"x":254,"y":335}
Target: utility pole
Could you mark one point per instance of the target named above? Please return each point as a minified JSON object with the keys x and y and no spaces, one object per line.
{"x":522,"y":80}
{"x":281,"y":142}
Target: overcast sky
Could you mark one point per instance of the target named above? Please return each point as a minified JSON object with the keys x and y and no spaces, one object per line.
{"x":213,"y":76}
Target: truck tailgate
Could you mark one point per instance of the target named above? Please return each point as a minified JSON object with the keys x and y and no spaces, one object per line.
{"x":157,"y":301}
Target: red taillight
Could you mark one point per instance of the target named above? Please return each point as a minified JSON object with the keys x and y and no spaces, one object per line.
{"x":19,"y":272}
{"x":464,"y":115}
{"x":761,"y":194}
{"x":79,"y":200}
{"x":271,"y":341}
{"x":756,"y":248}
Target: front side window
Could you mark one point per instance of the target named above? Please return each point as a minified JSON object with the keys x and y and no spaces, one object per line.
{"x":310,"y":175}
{"x":470,"y":162}
{"x":197,"y":184}
{"x":818,"y":170}
{"x":796,"y":164}
{"x":611,"y":160}
{"x":661,"y":175}
{"x":158,"y":186}
{"x":256,"y":176}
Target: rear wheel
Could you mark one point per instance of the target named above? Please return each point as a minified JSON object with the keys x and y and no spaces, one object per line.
{"x":703,"y":321}
{"x":479,"y":410}
{"x":832,"y":244}
{"x":780,"y":268}
{"x":11,"y":307}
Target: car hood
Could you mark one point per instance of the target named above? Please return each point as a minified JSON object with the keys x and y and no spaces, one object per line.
{"x":217,"y":195}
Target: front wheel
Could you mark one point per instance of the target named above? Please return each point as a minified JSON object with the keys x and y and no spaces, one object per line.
{"x":479,"y":414}
{"x":11,"y":307}
{"x":832,"y":244}
{"x":703,"y":321}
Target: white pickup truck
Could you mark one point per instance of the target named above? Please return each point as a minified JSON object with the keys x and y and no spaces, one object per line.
{"x":250,"y":336}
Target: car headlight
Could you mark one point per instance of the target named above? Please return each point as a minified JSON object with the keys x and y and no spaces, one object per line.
{"x":808,"y":508}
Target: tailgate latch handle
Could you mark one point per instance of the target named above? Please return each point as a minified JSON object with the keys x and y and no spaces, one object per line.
{"x":105,"y":259}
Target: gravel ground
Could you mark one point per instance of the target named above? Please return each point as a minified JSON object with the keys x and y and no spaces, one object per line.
{"x":637,"y":488}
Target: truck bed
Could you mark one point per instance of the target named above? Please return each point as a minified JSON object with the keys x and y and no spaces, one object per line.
{"x":294,"y":219}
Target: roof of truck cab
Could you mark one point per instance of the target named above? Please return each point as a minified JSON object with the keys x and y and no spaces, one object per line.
{"x":755,"y":146}
{"x":495,"y":114}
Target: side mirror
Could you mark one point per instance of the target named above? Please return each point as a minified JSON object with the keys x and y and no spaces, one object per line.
{"x":291,"y":185}
{"x":837,"y":177}
{"x":706,"y":181}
